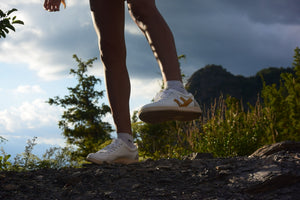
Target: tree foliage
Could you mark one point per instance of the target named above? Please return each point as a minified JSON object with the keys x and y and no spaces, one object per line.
{"x":282,"y":104}
{"x":6,"y":22}
{"x":81,"y":122}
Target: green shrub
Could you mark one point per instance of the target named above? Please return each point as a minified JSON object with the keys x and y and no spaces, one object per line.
{"x":231,"y":131}
{"x":4,"y":161}
{"x":54,"y":157}
{"x":282,"y":105}
{"x":224,"y":129}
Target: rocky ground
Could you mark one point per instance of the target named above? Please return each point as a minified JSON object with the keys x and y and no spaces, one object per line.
{"x":272,"y":172}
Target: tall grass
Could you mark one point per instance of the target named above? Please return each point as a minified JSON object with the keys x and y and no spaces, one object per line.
{"x":224,"y":129}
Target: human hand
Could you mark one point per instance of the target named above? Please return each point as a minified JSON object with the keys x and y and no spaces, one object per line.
{"x":53,"y":5}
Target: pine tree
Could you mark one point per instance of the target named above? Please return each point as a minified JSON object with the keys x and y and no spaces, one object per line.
{"x":81,"y":122}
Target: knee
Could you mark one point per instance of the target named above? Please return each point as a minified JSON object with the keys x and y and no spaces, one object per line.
{"x":142,"y":10}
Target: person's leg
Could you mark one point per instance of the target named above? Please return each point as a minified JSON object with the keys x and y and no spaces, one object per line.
{"x":173,"y":103}
{"x":159,"y":36}
{"x":108,"y":16}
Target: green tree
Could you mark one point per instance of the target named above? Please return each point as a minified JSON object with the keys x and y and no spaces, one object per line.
{"x":282,"y":105}
{"x":6,"y":22}
{"x":81,"y":122}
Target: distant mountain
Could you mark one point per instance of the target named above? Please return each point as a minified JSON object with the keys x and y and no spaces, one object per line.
{"x":211,"y":81}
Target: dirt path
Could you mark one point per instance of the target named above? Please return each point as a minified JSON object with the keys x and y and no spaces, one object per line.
{"x":273,"y":176}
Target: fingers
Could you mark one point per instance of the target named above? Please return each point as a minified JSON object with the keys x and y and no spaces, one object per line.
{"x":52,"y":5}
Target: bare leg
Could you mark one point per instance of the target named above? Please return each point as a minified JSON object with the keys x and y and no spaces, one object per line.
{"x":108,"y":16}
{"x":159,"y":36}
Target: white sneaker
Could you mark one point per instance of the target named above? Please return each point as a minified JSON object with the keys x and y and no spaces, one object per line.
{"x":117,"y":152}
{"x":170,"y":105}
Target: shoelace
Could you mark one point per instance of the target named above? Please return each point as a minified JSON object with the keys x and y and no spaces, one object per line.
{"x":112,"y":147}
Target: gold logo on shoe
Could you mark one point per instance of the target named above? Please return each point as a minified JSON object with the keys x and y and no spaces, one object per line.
{"x":185,"y":103}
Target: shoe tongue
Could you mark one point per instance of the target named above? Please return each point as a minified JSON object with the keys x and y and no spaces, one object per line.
{"x":163,"y":94}
{"x":112,"y":145}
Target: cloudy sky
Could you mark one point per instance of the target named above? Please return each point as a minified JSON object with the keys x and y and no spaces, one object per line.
{"x":242,"y":36}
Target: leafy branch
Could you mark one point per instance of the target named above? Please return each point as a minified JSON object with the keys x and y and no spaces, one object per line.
{"x":6,"y":22}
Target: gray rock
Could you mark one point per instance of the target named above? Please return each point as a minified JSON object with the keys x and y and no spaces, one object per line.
{"x":197,"y":156}
{"x":270,"y":173}
{"x":274,"y":148}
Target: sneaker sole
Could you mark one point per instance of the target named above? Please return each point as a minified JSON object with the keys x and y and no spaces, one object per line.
{"x":158,"y":115}
{"x":119,"y":160}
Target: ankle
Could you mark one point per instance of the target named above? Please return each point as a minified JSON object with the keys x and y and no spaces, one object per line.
{"x":176,"y":85}
{"x":127,"y":138}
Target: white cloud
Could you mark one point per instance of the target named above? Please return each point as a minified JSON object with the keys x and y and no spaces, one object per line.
{"x":51,"y":141}
{"x":143,"y":91}
{"x":108,"y":118}
{"x":131,"y":28}
{"x":29,"y":115}
{"x":14,"y":2}
{"x":145,"y":88}
{"x":9,"y":137}
{"x":35,"y":57}
{"x":96,"y":70}
{"x":43,"y":45}
{"x":29,"y":89}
